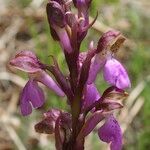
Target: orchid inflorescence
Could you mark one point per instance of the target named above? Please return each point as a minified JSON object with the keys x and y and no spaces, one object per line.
{"x":87,"y":106}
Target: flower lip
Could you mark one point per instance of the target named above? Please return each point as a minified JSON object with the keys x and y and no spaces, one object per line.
{"x":110,"y":132}
{"x":115,"y":74}
{"x":32,"y":95}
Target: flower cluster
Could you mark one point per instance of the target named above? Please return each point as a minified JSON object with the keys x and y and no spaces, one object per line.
{"x":87,"y":106}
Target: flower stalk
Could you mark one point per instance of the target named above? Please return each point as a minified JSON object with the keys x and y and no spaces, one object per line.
{"x":87,"y":105}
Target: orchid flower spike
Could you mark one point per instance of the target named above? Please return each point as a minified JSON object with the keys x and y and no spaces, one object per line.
{"x":87,"y":106}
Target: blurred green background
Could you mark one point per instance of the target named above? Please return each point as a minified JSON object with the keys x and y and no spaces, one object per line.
{"x":23,"y":25}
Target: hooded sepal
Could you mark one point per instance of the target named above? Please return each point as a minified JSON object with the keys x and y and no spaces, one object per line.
{"x":26,"y":61}
{"x":114,"y":93}
{"x":111,"y":99}
{"x":106,"y":40}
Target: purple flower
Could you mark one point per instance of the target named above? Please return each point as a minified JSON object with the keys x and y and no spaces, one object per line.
{"x":107,"y":46}
{"x":32,"y":95}
{"x":103,"y":52}
{"x":28,"y":62}
{"x":115,"y":74}
{"x":110,"y":132}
